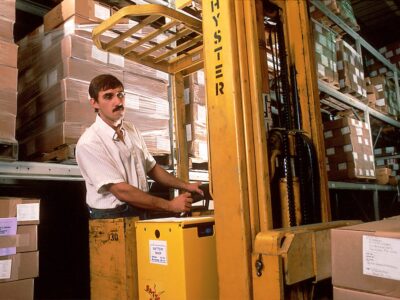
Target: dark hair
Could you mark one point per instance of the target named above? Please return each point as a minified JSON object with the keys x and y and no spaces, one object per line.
{"x":103,"y":82}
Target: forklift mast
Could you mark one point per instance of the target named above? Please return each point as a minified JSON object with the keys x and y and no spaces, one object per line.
{"x":254,"y":259}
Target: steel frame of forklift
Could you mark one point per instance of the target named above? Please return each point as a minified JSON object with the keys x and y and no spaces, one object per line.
{"x":255,"y":260}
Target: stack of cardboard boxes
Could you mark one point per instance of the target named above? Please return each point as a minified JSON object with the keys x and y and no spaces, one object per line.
{"x":325,"y":53}
{"x":388,"y":166}
{"x":391,"y":52}
{"x":348,"y":150}
{"x":365,"y":261}
{"x":57,"y":62}
{"x":19,"y":256}
{"x":196,"y":115}
{"x":8,"y":76}
{"x":384,"y":97}
{"x":351,"y":70}
{"x":342,"y":9}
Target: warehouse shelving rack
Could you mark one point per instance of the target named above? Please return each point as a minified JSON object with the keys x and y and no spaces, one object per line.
{"x":347,"y":100}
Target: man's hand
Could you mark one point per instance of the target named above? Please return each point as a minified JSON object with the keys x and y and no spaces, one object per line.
{"x":182,"y":203}
{"x":194,"y":188}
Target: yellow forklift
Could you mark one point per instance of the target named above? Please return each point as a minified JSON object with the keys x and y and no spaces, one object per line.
{"x":272,"y":218}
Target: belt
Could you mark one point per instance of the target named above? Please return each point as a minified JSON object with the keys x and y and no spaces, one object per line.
{"x":120,"y":211}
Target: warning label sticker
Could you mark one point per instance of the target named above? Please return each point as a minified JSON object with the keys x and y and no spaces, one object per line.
{"x":158,"y":252}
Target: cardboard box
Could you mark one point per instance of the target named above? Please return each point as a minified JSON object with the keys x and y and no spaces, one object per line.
{"x":8,"y":78}
{"x":347,"y":294}
{"x":7,"y":126}
{"x":351,"y":70}
{"x":8,"y":54}
{"x":365,"y":257}
{"x":325,"y":53}
{"x":66,"y":89}
{"x":6,"y":29}
{"x":19,"y":266}
{"x":26,"y":239}
{"x":44,"y":142}
{"x":143,"y":86}
{"x":90,"y":10}
{"x":17,"y":290}
{"x":33,"y":83}
{"x":7,"y":9}
{"x":349,"y":149}
{"x":8,"y":101}
{"x":383,"y":175}
{"x":26,"y":210}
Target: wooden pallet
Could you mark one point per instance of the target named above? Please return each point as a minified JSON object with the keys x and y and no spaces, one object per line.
{"x":332,"y":83}
{"x":198,"y":164}
{"x":162,"y":159}
{"x":62,"y":154}
{"x":8,"y":150}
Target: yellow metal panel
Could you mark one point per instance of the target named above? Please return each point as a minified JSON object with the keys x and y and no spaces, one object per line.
{"x":237,"y":138}
{"x":182,"y":3}
{"x":322,"y":248}
{"x":255,"y":131}
{"x":125,"y":44}
{"x":113,"y":265}
{"x":270,"y":285}
{"x":298,"y":257}
{"x":292,"y":255}
{"x":227,"y":160}
{"x":174,"y":262}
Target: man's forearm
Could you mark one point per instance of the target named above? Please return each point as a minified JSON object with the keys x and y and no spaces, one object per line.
{"x":135,"y":197}
{"x":160,"y":175}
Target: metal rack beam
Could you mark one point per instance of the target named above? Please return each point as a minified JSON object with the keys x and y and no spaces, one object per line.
{"x":337,"y":185}
{"x":55,"y":171}
{"x":39,"y":171}
{"x":373,"y":187}
{"x":326,"y":88}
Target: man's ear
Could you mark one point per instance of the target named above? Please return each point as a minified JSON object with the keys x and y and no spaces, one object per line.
{"x":94,"y":103}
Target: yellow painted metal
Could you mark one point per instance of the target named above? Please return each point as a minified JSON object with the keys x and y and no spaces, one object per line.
{"x":176,"y":28}
{"x":303,"y":253}
{"x":260,"y":201}
{"x":174,"y":262}
{"x":237,"y":142}
{"x":182,"y":157}
{"x":182,"y":3}
{"x":271,"y":284}
{"x":113,"y":264}
{"x":300,"y":47}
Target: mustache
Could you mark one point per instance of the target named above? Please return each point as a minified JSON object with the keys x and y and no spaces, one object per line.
{"x":118,"y":107}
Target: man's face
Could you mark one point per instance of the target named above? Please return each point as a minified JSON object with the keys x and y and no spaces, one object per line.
{"x":111,"y":105}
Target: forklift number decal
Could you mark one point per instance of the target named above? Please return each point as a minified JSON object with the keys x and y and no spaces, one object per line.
{"x":218,"y":68}
{"x":158,"y":252}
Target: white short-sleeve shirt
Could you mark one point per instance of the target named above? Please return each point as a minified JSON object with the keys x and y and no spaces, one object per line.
{"x":102,"y":160}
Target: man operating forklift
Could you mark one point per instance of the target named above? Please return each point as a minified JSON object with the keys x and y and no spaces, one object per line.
{"x":115,"y":162}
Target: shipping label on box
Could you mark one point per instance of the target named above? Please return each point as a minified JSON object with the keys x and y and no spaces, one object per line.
{"x":8,"y":227}
{"x":381,"y":257}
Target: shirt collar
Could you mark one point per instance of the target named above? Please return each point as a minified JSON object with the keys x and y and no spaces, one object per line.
{"x":106,"y":129}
